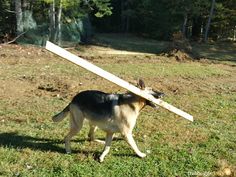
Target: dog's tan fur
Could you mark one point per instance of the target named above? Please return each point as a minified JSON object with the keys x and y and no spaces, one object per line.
{"x":122,"y":119}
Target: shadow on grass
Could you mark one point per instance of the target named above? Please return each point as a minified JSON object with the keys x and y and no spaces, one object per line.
{"x":125,"y":154}
{"x":16,"y":141}
{"x":217,"y":51}
{"x":129,"y":42}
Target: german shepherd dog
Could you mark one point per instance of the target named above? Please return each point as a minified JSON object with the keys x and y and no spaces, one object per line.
{"x":110,"y":112}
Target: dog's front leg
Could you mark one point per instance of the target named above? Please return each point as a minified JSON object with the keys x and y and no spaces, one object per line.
{"x":107,"y":146}
{"x":132,"y":143}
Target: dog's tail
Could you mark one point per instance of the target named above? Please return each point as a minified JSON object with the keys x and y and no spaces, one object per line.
{"x":60,"y":116}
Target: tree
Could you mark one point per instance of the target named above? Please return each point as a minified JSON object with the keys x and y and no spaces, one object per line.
{"x":224,"y":20}
{"x":209,"y":20}
{"x":73,"y":10}
{"x":55,"y":13}
{"x":52,"y":25}
{"x":158,"y":19}
{"x":58,"y":29}
{"x":7,"y":15}
{"x":19,"y":17}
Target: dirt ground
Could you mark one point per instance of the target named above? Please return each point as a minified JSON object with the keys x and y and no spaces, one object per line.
{"x":29,"y":70}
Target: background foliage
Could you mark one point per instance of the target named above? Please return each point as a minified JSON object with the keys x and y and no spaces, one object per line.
{"x":157,"y":19}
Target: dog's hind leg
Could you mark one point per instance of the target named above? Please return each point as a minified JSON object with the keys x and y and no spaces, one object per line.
{"x":107,"y":146}
{"x":76,"y":123}
{"x":92,"y":130}
{"x":91,"y":134}
{"x":132,"y":143}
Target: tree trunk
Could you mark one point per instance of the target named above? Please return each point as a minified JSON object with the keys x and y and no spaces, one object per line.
{"x":59,"y":23}
{"x":18,"y":9}
{"x":127,"y":24}
{"x":209,"y":21}
{"x":52,"y":26}
{"x":184,"y":25}
{"x":31,"y":5}
{"x":24,"y":5}
{"x":234,"y":38}
{"x":196,"y":28}
{"x":122,"y":15}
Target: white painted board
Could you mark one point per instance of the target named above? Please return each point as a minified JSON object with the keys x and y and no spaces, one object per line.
{"x":114,"y":79}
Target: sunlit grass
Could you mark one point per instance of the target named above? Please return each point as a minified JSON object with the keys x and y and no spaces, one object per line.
{"x":31,"y":144}
{"x":190,"y":70}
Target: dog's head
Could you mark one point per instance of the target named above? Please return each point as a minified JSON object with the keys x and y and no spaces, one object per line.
{"x":149,"y":90}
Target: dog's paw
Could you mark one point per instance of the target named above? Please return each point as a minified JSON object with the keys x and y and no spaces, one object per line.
{"x":68,"y":152}
{"x":101,"y":159}
{"x":99,"y":141}
{"x":142,"y":155}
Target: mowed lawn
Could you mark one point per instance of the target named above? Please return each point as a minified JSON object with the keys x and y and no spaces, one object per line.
{"x":35,"y":84}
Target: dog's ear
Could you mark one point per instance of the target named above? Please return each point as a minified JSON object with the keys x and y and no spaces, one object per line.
{"x":141,"y":84}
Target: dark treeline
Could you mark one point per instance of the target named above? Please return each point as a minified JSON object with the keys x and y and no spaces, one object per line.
{"x":74,"y":20}
{"x":161,"y":18}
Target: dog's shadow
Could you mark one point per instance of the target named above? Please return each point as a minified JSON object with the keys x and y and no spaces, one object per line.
{"x":17,"y":141}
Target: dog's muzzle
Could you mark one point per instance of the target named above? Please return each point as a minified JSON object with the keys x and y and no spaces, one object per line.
{"x":157,"y":95}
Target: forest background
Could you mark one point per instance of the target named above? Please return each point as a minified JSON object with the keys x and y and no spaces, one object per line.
{"x":35,"y":21}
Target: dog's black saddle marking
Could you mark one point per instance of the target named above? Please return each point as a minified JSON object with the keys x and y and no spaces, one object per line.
{"x":96,"y":102}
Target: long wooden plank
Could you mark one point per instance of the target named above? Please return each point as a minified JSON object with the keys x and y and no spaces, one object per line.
{"x":114,"y":79}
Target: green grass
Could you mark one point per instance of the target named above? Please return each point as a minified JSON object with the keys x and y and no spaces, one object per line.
{"x":170,"y":70}
{"x":135,"y":44}
{"x":31,"y":144}
{"x":224,"y":51}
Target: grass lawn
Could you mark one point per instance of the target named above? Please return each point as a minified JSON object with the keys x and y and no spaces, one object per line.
{"x":35,"y":84}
